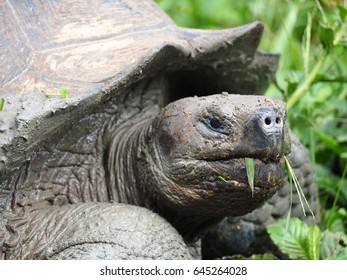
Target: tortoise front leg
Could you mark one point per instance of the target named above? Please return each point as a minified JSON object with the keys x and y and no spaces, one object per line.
{"x":97,"y":231}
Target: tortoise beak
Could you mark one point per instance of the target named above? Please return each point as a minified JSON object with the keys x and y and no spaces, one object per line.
{"x":266,"y":135}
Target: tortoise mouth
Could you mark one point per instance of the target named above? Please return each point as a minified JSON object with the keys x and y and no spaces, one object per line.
{"x":268,"y":174}
{"x":220,"y":187}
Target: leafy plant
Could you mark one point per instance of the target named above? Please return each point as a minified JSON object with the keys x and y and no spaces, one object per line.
{"x":299,"y":242}
{"x":302,"y":241}
{"x":335,"y":219}
{"x":333,"y":246}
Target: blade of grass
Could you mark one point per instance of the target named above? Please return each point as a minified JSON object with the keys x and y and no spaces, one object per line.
{"x":250,"y":173}
{"x":282,"y":40}
{"x":290,"y":206}
{"x":298,"y":188}
{"x":321,"y":11}
{"x":307,"y":44}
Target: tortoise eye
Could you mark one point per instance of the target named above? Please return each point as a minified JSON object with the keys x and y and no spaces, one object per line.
{"x":215,"y":123}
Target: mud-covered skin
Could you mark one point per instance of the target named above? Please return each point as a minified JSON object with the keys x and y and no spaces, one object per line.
{"x":246,"y":235}
{"x":123,"y":157}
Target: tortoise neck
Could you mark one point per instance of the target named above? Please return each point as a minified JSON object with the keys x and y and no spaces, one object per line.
{"x":122,"y":160}
{"x":136,"y":177}
{"x":151,"y":182}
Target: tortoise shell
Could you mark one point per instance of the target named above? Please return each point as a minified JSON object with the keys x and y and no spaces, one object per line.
{"x":94,"y":49}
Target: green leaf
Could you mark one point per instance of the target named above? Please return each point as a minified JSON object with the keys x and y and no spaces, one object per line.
{"x":2,"y":103}
{"x":335,"y":220}
{"x":291,"y":87}
{"x":292,"y":242}
{"x":342,"y":12}
{"x":326,"y":36}
{"x":63,"y":93}
{"x":301,"y":120}
{"x":250,"y":173}
{"x":328,"y":184}
{"x":342,"y":255}
{"x":329,"y":141}
{"x":313,"y":242}
{"x":333,"y":246}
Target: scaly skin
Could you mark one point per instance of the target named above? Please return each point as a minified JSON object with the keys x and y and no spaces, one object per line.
{"x":170,"y":163}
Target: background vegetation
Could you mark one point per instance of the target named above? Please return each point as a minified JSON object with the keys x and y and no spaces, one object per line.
{"x":311,"y":37}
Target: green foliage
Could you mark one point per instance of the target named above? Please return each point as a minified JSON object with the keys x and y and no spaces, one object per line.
{"x":311,"y":37}
{"x":333,"y":246}
{"x":335,"y":219}
{"x":328,"y":183}
{"x":301,"y":241}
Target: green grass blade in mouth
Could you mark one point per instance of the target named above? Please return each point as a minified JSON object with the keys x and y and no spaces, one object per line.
{"x":250,"y":173}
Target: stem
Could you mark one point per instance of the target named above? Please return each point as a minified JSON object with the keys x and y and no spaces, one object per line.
{"x":52,"y":94}
{"x":294,"y":98}
{"x":321,"y":11}
{"x":307,"y":45}
{"x":332,"y":80}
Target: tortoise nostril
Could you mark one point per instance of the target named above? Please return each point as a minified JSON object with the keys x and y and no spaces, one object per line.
{"x":267,"y":120}
{"x":270,"y":121}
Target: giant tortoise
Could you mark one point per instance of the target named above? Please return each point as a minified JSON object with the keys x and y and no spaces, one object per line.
{"x":133,"y":164}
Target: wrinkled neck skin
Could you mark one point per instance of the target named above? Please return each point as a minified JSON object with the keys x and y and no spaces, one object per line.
{"x":121,"y":156}
{"x":136,"y":177}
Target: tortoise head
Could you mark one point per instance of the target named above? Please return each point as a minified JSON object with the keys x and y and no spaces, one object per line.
{"x":202,"y":144}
